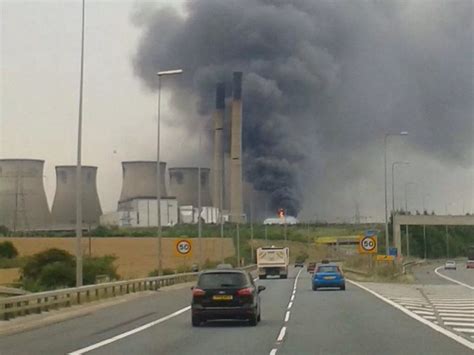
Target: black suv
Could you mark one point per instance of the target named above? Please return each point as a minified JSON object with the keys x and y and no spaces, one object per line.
{"x":225,"y":294}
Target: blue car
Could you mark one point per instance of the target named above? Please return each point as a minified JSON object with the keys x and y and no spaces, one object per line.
{"x":328,"y":275}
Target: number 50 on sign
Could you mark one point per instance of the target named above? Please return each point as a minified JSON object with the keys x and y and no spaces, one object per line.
{"x":368,"y":245}
{"x":183,"y":247}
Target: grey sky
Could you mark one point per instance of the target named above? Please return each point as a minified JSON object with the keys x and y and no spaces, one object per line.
{"x":40,"y":43}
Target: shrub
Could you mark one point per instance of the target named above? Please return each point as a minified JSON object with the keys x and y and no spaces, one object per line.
{"x":166,"y":271}
{"x":57,"y":275}
{"x":35,"y":264}
{"x":8,"y":250}
{"x":96,"y":266}
{"x":181,"y":269}
{"x":4,"y":230}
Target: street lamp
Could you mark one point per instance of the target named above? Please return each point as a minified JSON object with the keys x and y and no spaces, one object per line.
{"x":424,"y":227}
{"x":79,"y":163}
{"x":158,"y":170}
{"x":406,"y":211}
{"x":393,"y":181}
{"x":403,"y":133}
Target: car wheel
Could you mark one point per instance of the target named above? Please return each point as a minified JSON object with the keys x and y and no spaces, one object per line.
{"x":262,"y":277}
{"x":283,"y":276}
{"x":195,"y":321}
{"x":253,"y":320}
{"x":315,"y":288}
{"x":343,"y":287}
{"x":259,"y":317}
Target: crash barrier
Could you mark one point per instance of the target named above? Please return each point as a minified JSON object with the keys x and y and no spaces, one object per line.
{"x":38,"y":302}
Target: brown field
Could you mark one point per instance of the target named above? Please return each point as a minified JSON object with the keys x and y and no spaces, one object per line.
{"x":136,"y":257}
{"x":9,"y":276}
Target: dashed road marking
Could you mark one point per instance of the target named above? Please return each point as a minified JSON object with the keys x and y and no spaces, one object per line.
{"x":287,"y":316}
{"x":282,"y":334}
{"x":290,"y":305}
{"x":273,"y":352}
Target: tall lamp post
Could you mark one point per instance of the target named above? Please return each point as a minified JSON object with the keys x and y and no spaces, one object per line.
{"x":393,"y":181}
{"x":158,"y":169}
{"x":385,"y":185}
{"x":406,"y":211}
{"x":79,"y":163}
{"x":424,"y":226}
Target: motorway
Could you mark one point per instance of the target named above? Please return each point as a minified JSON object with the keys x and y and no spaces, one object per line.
{"x":295,"y":320}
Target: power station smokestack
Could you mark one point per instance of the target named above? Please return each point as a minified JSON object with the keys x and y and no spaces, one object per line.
{"x":236,"y":207}
{"x":218,"y":165}
{"x":64,"y":204}
{"x":184,"y":186}
{"x":139,"y":180}
{"x":23,"y":203}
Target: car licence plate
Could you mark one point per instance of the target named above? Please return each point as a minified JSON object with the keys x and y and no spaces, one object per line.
{"x":222,"y":297}
{"x":329,"y":277}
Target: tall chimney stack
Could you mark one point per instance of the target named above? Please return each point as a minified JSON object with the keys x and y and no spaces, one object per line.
{"x":218,"y":164}
{"x":236,"y":206}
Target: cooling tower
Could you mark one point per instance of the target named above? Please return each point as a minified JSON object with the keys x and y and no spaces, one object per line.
{"x":218,"y":164}
{"x":64,"y":205}
{"x":184,"y":185}
{"x":236,"y":207}
{"x":139,"y":180}
{"x":23,"y":204}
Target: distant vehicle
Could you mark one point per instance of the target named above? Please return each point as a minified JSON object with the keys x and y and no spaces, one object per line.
{"x":224,"y":266}
{"x":273,"y":261}
{"x":290,"y":220}
{"x":470,"y":257}
{"x":450,"y":265}
{"x":299,"y":263}
{"x":325,"y":261}
{"x":194,"y":268}
{"x":328,"y":275}
{"x":311,"y":266}
{"x":225,"y":294}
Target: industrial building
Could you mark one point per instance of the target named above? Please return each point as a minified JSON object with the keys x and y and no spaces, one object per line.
{"x":23,"y":203}
{"x":64,"y":204}
{"x":184,"y":184}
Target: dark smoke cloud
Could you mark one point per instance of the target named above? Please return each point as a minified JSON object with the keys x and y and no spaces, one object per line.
{"x":322,"y":79}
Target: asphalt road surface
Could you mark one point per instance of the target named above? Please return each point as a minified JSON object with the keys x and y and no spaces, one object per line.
{"x":461,"y":274}
{"x":295,"y":320}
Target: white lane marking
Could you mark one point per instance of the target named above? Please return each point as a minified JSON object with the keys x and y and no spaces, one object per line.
{"x":413,"y":304}
{"x":436,"y":327}
{"x":282,"y":334}
{"x":292,"y":298}
{"x":287,"y":316}
{"x":273,"y":352}
{"x":451,"y":299}
{"x":455,"y":311}
{"x":423,"y":312}
{"x":418,"y":308}
{"x":429,"y":317}
{"x":462,"y":324}
{"x":454,"y":315}
{"x":451,"y":279}
{"x":464,"y":330}
{"x":454,"y":319}
{"x":130,"y":332}
{"x":290,"y":305}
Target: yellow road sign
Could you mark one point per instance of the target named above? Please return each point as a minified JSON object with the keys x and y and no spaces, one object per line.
{"x":183,"y":247}
{"x":385,"y":258}
{"x":368,"y":245}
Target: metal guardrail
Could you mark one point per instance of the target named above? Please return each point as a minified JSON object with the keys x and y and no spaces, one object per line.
{"x":38,"y":302}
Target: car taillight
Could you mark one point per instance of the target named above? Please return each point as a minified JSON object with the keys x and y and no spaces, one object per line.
{"x":197,"y":292}
{"x":245,"y":291}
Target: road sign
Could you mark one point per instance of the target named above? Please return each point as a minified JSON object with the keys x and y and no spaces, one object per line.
{"x":368,"y":244}
{"x":385,"y":258}
{"x":183,"y":247}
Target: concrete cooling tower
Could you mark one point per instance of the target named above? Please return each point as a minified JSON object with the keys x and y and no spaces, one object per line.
{"x":23,"y":203}
{"x":139,"y":180}
{"x":64,"y":205}
{"x":184,"y":185}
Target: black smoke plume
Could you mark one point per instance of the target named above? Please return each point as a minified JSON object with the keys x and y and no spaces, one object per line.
{"x":322,"y":78}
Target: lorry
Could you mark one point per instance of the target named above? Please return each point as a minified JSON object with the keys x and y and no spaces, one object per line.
{"x":273,"y":261}
{"x":470,"y":257}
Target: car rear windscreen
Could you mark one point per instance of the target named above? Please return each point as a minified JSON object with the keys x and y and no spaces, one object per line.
{"x":222,"y":280}
{"x":328,"y":269}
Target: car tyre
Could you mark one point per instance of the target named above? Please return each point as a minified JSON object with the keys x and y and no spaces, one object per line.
{"x":253,"y":320}
{"x":343,"y":287}
{"x":315,"y":288}
{"x":196,"y":321}
{"x":259,"y":317}
{"x":283,"y":276}
{"x":262,"y":277}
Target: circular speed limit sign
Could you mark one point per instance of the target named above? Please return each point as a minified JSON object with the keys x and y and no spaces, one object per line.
{"x":183,"y":247}
{"x":368,"y":244}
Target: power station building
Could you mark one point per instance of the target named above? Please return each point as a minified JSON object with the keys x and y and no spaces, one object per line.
{"x":23,"y":203}
{"x":64,"y":204}
{"x":137,"y":205}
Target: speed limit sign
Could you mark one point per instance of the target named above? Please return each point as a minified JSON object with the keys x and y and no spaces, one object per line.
{"x":183,"y":247}
{"x":368,"y":244}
